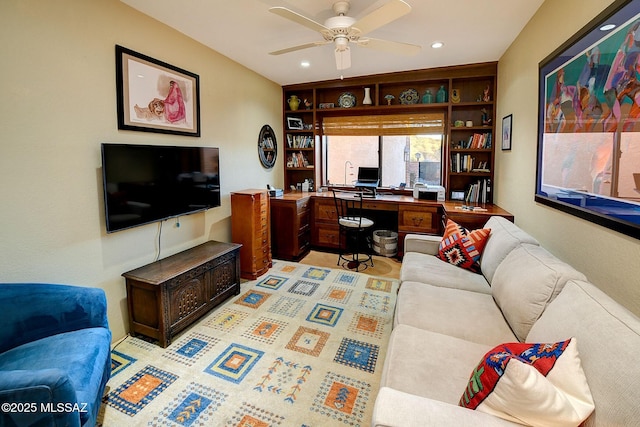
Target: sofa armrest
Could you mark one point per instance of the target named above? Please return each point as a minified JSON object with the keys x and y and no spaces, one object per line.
{"x":38,"y":397}
{"x":395,"y":408}
{"x":31,"y":311}
{"x":423,"y":243}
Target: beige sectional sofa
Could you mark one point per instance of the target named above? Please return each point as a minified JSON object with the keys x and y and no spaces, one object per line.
{"x":447,"y":318}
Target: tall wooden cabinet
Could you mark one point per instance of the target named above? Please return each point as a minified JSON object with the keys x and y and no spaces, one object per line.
{"x":469,"y":109}
{"x":250,"y":226}
{"x":290,"y":226}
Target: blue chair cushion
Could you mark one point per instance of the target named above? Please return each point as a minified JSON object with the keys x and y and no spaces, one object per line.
{"x":82,"y":355}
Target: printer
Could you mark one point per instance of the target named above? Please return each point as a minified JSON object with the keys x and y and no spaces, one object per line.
{"x":428,"y":192}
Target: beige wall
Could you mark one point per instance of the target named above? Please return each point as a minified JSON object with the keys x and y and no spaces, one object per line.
{"x":609,"y":259}
{"x":59,"y":103}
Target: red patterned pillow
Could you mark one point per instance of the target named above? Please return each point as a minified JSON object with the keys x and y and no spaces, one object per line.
{"x":462,"y":247}
{"x":532,"y":384}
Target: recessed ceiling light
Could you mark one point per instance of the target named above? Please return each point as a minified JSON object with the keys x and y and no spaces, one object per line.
{"x":607,"y":27}
{"x":437,"y":45}
{"x":305,"y":64}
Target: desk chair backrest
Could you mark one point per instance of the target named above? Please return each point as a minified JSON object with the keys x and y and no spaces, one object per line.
{"x":349,"y":209}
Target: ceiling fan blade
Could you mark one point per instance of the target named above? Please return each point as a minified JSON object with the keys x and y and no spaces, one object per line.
{"x":300,"y":47}
{"x":382,"y":16}
{"x":297,"y":18}
{"x":343,"y":58}
{"x":390,"y":46}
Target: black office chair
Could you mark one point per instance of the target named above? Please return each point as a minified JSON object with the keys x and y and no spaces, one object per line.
{"x":355,"y":240}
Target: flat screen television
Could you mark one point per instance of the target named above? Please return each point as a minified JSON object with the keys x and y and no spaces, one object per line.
{"x":149,"y":183}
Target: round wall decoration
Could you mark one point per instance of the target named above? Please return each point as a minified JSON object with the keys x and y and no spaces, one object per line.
{"x":267,"y":147}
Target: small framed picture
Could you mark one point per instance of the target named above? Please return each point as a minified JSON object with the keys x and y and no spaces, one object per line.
{"x":507,"y":132}
{"x":457,"y":195}
{"x":325,"y":105}
{"x":294,"y":123}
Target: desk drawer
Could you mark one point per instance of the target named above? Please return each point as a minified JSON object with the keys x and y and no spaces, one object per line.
{"x":325,"y":211}
{"x":379,"y":206}
{"x":326,"y":236}
{"x":423,"y":220}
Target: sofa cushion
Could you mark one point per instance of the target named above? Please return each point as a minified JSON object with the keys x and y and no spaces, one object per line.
{"x":535,"y":384}
{"x":526,"y":281}
{"x":608,"y":338}
{"x":418,"y":267}
{"x":461,"y":247}
{"x":82,"y":355}
{"x":429,"y":364}
{"x":472,"y":316}
{"x":505,"y":236}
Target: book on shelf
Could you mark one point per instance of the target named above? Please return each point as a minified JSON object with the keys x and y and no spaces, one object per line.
{"x":299,"y":141}
{"x":479,"y":192}
{"x":298,"y":160}
{"x":477,"y":141}
{"x":467,"y":163}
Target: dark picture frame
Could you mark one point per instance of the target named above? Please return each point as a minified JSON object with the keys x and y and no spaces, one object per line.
{"x":507,"y":132}
{"x":588,"y":157}
{"x":153,"y":96}
{"x":295,"y":123}
{"x":267,"y":147}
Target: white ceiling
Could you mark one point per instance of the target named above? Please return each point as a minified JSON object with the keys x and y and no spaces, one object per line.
{"x":245,"y":31}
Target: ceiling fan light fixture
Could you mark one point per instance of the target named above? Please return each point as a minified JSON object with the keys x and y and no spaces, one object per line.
{"x":342,"y":43}
{"x":339,"y":22}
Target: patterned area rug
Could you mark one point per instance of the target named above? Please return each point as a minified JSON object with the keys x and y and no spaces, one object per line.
{"x":300,"y":346}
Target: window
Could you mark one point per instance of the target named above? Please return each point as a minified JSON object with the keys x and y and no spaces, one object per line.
{"x":406,"y":148}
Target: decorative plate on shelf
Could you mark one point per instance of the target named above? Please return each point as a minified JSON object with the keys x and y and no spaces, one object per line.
{"x":347,"y":100}
{"x":409,"y":96}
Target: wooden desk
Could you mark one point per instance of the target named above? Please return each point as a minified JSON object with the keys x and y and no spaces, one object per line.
{"x":413,"y":216}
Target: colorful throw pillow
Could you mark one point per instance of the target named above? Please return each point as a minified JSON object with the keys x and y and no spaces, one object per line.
{"x":462,"y":247}
{"x":532,"y":384}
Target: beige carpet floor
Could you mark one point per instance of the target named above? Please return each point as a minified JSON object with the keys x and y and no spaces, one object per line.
{"x":382,"y":266}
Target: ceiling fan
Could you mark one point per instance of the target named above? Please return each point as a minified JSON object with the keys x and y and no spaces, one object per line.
{"x":343,"y":30}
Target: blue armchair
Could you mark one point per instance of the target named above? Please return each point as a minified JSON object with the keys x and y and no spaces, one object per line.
{"x":55,"y":357}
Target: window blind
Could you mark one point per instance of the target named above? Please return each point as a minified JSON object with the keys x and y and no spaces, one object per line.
{"x":391,"y":124}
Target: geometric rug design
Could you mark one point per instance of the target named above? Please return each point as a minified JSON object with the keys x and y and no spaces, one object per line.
{"x":357,"y":354}
{"x":194,"y":405}
{"x":304,"y":287}
{"x":337,"y":294}
{"x":119,"y":361}
{"x":272,"y":282}
{"x":316,"y":273}
{"x":343,"y":400}
{"x":368,"y":325}
{"x":284,"y":378}
{"x":308,"y":341}
{"x":139,"y":390}
{"x":234,"y":363}
{"x":265,"y":330}
{"x":190,"y":349}
{"x":299,"y":346}
{"x":325,"y":314}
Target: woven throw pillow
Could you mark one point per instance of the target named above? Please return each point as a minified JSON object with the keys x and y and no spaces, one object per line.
{"x":462,"y":247}
{"x":532,"y":384}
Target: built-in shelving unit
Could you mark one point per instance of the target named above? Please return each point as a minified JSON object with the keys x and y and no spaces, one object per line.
{"x":469,"y":108}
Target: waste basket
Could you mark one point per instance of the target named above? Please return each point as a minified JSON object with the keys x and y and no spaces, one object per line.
{"x":385,"y":242}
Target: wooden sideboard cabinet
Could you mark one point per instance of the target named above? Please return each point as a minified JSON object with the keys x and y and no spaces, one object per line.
{"x":290,"y":227}
{"x":250,"y":226}
{"x":168,"y":295}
